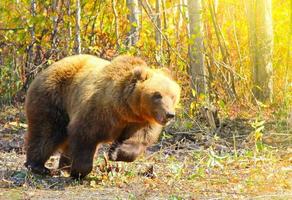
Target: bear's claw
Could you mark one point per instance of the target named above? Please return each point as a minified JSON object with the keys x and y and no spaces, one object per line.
{"x":37,"y":169}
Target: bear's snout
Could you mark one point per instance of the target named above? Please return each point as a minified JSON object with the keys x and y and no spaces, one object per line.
{"x":163,"y":117}
{"x":170,"y":115}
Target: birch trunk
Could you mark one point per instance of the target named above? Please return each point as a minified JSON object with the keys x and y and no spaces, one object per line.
{"x":55,"y":25}
{"x":32,"y":34}
{"x":69,"y":30}
{"x":197,"y":70}
{"x":78,"y":25}
{"x":133,"y":17}
{"x":261,"y":47}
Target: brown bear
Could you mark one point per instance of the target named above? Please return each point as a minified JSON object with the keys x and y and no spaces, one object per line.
{"x":82,"y":101}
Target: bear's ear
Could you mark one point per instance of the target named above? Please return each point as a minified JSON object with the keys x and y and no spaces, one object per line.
{"x":140,"y":73}
{"x":166,"y":71}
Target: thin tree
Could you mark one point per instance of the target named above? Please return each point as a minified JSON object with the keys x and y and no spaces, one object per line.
{"x":179,"y":15}
{"x":165,"y":27}
{"x":69,"y":29}
{"x":116,"y":23}
{"x":261,"y":47}
{"x":31,"y":48}
{"x":289,"y":60}
{"x":158,"y":36}
{"x":229,"y":82}
{"x":92,"y":34}
{"x":78,"y":28}
{"x":196,"y":48}
{"x":178,"y":21}
{"x":133,"y":17}
{"x":32,"y":32}
{"x":55,"y":24}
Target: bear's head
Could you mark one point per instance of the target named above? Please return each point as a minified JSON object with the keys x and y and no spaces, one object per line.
{"x":155,"y":95}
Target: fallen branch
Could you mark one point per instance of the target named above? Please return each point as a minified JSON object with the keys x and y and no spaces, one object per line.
{"x":12,"y":29}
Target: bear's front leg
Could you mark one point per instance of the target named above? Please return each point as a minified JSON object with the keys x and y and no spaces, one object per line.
{"x":126,"y":151}
{"x":82,"y":161}
{"x":81,"y":152}
{"x":133,"y":141}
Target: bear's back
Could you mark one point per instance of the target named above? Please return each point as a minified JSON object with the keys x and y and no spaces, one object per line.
{"x":61,"y":80}
{"x":70,"y":66}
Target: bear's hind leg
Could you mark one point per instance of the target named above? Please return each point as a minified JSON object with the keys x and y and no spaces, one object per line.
{"x":45,"y":134}
{"x":40,"y":146}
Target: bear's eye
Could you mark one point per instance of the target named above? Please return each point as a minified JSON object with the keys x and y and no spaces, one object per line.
{"x":173,"y":98}
{"x":156,"y":96}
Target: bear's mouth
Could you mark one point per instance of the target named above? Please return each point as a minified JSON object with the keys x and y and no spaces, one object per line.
{"x":161,"y":119}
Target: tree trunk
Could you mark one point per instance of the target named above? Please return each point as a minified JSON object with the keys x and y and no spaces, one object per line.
{"x":55,"y":25}
{"x":289,"y":60}
{"x":32,"y":34}
{"x":116,"y":23}
{"x":69,"y":30}
{"x":31,"y":49}
{"x":261,"y":47}
{"x":165,"y":26}
{"x":196,"y":48}
{"x":158,"y":36}
{"x":133,"y":17}
{"x":178,"y":25}
{"x":78,"y":25}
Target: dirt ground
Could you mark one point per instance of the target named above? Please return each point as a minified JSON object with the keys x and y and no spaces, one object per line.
{"x":187,"y":163}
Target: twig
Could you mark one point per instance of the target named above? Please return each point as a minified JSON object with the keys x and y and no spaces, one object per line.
{"x":226,"y":66}
{"x":12,"y":29}
{"x":37,"y":67}
{"x":278,"y":195}
{"x":223,"y":192}
{"x":164,"y":37}
{"x":190,"y":133}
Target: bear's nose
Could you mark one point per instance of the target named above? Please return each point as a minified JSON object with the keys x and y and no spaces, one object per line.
{"x":170,"y":115}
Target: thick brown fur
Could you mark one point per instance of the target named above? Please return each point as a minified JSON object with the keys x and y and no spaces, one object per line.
{"x":82,"y":101}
